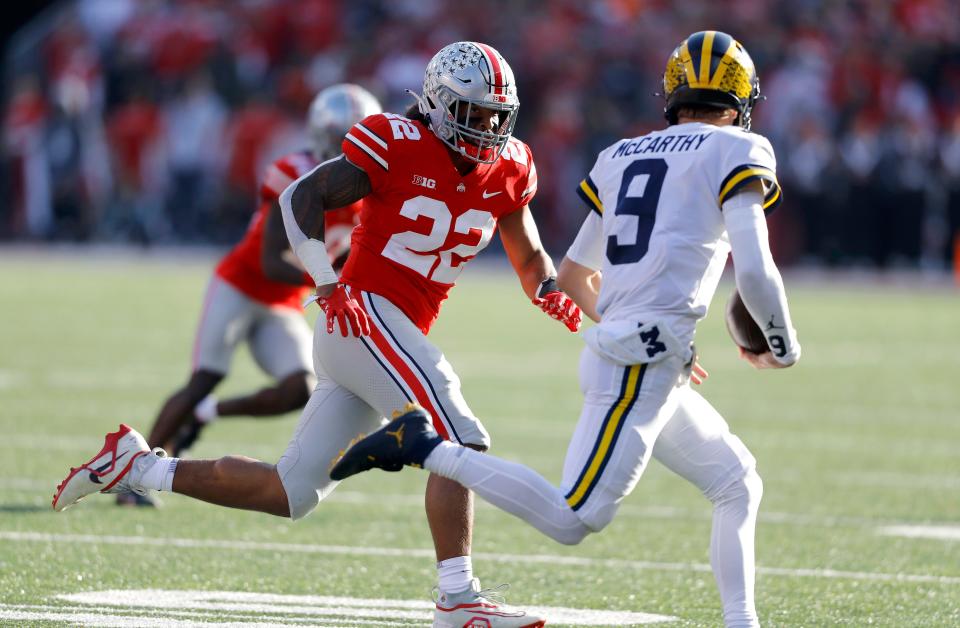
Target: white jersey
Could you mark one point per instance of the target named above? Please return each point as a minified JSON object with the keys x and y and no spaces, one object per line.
{"x":658,"y":201}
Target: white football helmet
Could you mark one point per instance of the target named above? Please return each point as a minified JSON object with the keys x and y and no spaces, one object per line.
{"x":332,"y":113}
{"x":461,"y":76}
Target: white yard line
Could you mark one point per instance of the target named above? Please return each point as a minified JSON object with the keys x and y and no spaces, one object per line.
{"x":151,"y":607}
{"x":415,"y":500}
{"x":939,"y":533}
{"x":270,"y":604}
{"x":548,"y":559}
{"x":141,"y":617}
{"x":85,"y":617}
{"x":10,"y":379}
{"x":899,"y":480}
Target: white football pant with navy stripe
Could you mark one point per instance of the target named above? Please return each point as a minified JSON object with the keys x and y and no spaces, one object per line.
{"x":631,"y":413}
{"x":360,"y":382}
{"x":278,"y":337}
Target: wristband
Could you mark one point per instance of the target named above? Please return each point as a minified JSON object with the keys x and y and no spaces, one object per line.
{"x":313,"y":255}
{"x":547,"y":286}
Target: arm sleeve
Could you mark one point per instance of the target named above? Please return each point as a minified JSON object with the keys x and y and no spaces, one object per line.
{"x":312,"y":253}
{"x":587,"y":248}
{"x":367,"y":145}
{"x":758,"y":279}
{"x":748,"y":157}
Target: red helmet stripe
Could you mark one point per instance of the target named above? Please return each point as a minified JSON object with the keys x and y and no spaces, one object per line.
{"x":496,"y":72}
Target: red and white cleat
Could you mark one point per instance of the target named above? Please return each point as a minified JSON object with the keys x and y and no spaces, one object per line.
{"x":476,"y":608}
{"x":109,"y":471}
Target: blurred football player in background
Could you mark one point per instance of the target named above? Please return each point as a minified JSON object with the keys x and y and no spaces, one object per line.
{"x":435,"y":186}
{"x":668,"y":208}
{"x":256,"y":292}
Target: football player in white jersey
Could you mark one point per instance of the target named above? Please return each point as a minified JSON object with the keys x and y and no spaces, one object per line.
{"x":668,"y":208}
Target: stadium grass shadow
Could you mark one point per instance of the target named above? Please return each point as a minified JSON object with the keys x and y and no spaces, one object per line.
{"x":25,"y":508}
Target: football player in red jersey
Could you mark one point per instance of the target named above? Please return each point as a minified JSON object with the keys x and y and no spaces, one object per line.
{"x":256,"y":292}
{"x":435,"y":185}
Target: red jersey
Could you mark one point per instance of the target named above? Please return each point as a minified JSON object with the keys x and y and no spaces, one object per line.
{"x":242,"y":268}
{"x":422,"y":221}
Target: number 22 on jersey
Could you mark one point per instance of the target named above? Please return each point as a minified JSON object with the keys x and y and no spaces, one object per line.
{"x":424,"y":252}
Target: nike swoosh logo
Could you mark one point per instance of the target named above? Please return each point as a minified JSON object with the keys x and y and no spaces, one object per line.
{"x":106,"y":465}
{"x":490,"y":194}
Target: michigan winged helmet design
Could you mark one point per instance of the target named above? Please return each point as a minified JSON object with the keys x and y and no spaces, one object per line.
{"x":461,"y":76}
{"x":711,"y":68}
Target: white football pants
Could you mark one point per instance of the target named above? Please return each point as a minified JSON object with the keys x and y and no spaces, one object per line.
{"x":630,"y":414}
{"x":278,"y":337}
{"x":360,"y":382}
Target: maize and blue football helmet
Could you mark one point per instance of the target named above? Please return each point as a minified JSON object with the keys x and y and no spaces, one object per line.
{"x":711,"y":68}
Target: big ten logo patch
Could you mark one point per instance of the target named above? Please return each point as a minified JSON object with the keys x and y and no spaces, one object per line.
{"x":430,"y":184}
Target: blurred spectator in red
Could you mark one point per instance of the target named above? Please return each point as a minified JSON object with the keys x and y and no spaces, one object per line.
{"x":316,"y":25}
{"x":856,"y":79}
{"x":248,"y":144}
{"x":195,"y":121}
{"x":808,"y":171}
{"x":949,"y":153}
{"x":23,"y":134}
{"x":134,"y":133}
{"x":183,"y":42}
{"x":859,"y":156}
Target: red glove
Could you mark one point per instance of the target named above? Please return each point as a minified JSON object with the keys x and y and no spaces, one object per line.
{"x":558,"y":305}
{"x":340,"y":306}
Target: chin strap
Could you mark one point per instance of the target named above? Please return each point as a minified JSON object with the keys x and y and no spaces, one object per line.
{"x":431,"y":114}
{"x":421,"y":103}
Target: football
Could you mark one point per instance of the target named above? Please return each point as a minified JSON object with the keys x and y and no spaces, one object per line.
{"x":742,"y":328}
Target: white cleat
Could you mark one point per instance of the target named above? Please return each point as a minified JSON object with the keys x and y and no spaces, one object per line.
{"x":110,"y":470}
{"x":475,"y":608}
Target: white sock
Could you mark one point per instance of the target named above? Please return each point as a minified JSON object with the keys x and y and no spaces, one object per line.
{"x":159,"y":476}
{"x":511,"y":487}
{"x":206,"y":410}
{"x":455,"y":574}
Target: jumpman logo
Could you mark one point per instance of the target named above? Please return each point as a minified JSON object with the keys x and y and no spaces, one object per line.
{"x":771,"y":325}
{"x":398,"y":435}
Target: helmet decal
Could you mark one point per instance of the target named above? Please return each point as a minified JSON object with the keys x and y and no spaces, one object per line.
{"x":461,"y":78}
{"x":490,"y":56}
{"x":711,"y":68}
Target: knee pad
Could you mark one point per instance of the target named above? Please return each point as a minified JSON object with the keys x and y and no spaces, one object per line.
{"x":302,"y":503}
{"x":595,"y":517}
{"x":754,"y":486}
{"x":746,"y":489}
{"x":302,"y":495}
{"x":572,"y":535}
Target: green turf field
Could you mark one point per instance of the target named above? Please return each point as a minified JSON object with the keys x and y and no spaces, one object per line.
{"x":858,"y":446}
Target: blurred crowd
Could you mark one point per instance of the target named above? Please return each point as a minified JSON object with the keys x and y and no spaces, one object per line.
{"x":150,"y":120}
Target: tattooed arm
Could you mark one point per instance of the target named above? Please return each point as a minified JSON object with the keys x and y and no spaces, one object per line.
{"x":277,"y":260}
{"x":332,"y":184}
